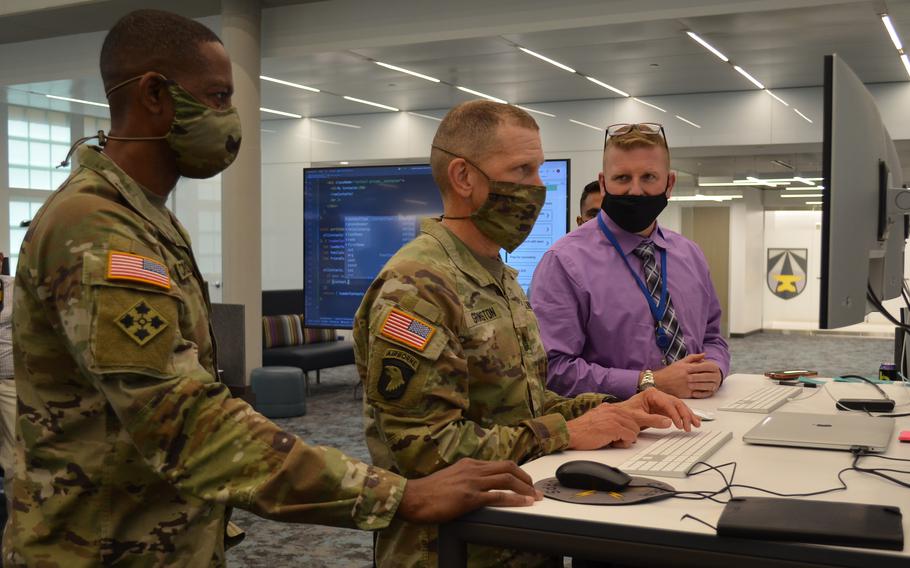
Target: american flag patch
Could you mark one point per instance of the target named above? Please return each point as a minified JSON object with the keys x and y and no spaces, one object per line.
{"x":126,"y":266}
{"x":407,"y":329}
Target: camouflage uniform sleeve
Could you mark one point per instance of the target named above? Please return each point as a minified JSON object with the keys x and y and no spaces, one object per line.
{"x":419,"y":395}
{"x":185,"y":425}
{"x":574,"y":407}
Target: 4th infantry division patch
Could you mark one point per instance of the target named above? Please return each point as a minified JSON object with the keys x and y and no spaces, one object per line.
{"x":141,"y":322}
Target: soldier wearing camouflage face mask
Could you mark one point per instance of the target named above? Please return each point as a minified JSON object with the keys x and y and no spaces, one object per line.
{"x":131,"y":453}
{"x":447,"y":345}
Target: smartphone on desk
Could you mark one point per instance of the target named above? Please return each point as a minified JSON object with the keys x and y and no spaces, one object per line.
{"x":790,"y":374}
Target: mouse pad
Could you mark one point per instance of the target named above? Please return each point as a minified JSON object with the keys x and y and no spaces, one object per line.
{"x":650,"y":490}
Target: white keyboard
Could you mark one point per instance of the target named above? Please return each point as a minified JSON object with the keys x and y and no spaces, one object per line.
{"x":764,"y":400}
{"x":676,"y":453}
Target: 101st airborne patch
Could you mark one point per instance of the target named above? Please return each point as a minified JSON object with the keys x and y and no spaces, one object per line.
{"x":398,"y":367}
{"x":141,"y":322}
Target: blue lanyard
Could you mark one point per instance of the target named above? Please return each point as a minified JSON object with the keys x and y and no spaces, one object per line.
{"x":657,"y":310}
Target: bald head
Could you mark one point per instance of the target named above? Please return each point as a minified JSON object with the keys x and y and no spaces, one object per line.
{"x":471,"y":130}
{"x":152,"y":40}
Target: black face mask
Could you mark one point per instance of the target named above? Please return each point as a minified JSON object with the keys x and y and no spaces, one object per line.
{"x":634,"y":213}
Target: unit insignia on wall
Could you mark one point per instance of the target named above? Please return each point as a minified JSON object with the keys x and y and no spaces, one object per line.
{"x":787,"y":271}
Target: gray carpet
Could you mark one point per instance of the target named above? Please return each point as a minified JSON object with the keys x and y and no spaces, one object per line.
{"x":334,"y":419}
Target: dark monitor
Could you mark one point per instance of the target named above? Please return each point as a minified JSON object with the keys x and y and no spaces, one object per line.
{"x":356,"y":218}
{"x":863,"y":205}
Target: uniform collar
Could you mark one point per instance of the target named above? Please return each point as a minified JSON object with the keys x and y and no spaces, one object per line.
{"x":629,"y":241}
{"x":91,"y":157}
{"x":461,"y":254}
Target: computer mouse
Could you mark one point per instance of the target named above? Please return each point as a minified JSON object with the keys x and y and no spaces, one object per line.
{"x":583,"y":474}
{"x":703,"y":414}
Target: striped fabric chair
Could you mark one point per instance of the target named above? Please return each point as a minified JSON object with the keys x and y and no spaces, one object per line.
{"x":286,"y":343}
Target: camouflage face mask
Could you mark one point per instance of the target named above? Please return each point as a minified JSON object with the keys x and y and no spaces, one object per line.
{"x":205,"y":140}
{"x":510,"y":211}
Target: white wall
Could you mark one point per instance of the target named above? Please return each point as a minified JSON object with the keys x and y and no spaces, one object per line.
{"x":793,"y":229}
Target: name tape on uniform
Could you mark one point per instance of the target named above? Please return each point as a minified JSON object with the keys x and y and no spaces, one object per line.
{"x":127,"y":266}
{"x":407,"y":329}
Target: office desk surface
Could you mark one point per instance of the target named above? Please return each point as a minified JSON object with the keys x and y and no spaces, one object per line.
{"x":659,"y":525}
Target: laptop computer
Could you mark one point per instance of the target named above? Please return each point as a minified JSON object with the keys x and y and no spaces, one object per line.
{"x":827,"y":431}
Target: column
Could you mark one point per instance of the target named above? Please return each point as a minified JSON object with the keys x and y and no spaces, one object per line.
{"x":241,"y":230}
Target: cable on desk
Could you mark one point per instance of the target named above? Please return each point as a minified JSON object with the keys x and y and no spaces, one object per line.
{"x":694,"y":518}
{"x":878,"y":471}
{"x":878,"y":388}
{"x":811,"y":394}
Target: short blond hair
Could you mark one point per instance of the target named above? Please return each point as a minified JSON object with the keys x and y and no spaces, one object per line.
{"x":637,"y":139}
{"x":469,"y":130}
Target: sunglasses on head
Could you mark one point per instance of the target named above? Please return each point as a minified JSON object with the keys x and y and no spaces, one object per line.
{"x":650,"y":128}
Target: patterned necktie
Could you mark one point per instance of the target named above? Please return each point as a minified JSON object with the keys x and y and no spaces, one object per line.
{"x":676,"y":348}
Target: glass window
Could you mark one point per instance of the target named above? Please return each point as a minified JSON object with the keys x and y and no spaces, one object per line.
{"x":18,"y":125}
{"x":19,"y":210}
{"x":18,"y":153}
{"x":94,"y":124}
{"x":38,"y":141}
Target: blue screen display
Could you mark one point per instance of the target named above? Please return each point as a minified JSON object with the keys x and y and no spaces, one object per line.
{"x":356,"y":218}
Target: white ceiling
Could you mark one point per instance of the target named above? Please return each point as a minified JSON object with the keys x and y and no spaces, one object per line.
{"x":782,"y":48}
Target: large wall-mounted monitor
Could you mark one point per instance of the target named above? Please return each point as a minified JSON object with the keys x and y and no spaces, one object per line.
{"x":356,"y":218}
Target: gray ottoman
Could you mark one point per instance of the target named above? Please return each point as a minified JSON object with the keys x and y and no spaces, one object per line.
{"x":280,"y":391}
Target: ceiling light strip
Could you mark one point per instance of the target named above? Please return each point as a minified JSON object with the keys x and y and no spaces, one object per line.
{"x":80,"y":101}
{"x":547,"y":59}
{"x":425,"y":116}
{"x":580,"y":123}
{"x":700,"y":197}
{"x":333,"y":123}
{"x":906,"y":61}
{"x":687,"y":121}
{"x":606,"y":86}
{"x":280,"y":112}
{"x":814,"y":202}
{"x":776,"y":98}
{"x":638,"y":100}
{"x":802,"y":195}
{"x":535,"y":111}
{"x":370,"y":103}
{"x":806,"y":118}
{"x":886,"y":19}
{"x":407,"y":71}
{"x":708,"y":46}
{"x":745,"y":74}
{"x":479,"y":94}
{"x":289,"y":84}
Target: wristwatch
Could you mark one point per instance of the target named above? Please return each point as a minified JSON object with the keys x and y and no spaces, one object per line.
{"x":646,"y":381}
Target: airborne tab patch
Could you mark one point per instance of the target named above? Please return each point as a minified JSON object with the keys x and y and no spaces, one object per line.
{"x":127,"y":266}
{"x":407,"y":329}
{"x":141,"y":323}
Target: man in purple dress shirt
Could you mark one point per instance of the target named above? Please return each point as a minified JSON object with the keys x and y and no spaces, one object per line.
{"x":623,"y":303}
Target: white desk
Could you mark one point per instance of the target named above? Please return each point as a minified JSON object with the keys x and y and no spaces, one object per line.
{"x":652,"y":534}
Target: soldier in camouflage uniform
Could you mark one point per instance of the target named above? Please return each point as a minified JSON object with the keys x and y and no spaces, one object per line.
{"x":130,"y":452}
{"x":447,"y":345}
